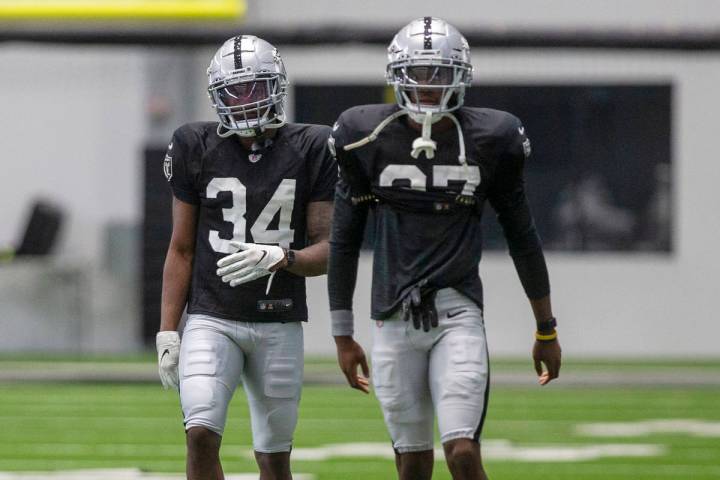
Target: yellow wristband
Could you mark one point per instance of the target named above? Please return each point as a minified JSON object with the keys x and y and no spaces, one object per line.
{"x":546,"y":338}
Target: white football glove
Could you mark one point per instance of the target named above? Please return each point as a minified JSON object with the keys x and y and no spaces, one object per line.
{"x":250,"y":262}
{"x":168,"y":348}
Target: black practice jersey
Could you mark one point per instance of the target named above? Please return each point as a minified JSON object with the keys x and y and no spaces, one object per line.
{"x":427,"y":212}
{"x":253,"y":197}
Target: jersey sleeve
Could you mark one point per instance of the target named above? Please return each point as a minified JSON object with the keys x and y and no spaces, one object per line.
{"x":508,"y":198}
{"x":350,"y":166}
{"x":178,"y":169}
{"x":348,"y":229}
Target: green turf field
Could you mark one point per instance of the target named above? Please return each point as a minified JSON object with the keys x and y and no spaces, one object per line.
{"x":530,"y":433}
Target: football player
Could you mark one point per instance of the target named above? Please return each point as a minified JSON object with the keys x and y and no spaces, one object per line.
{"x":251,"y":213}
{"x":426,"y":166}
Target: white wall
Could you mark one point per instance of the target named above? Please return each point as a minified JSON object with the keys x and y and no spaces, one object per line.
{"x":72,"y":129}
{"x":72,"y":123}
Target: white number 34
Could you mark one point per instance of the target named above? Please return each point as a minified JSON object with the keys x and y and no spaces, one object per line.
{"x":283,"y":200}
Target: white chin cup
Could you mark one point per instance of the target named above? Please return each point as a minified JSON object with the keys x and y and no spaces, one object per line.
{"x":420,"y":117}
{"x":224,"y":131}
{"x":248,"y":132}
{"x":253,"y":132}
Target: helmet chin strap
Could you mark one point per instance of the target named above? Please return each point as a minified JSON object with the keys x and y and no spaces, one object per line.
{"x":225,"y":132}
{"x":279,"y":120}
{"x":422,"y":144}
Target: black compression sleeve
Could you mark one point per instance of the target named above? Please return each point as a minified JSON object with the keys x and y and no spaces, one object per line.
{"x":533,"y":273}
{"x":510,"y":202}
{"x":348,"y":229}
{"x":342,"y":275}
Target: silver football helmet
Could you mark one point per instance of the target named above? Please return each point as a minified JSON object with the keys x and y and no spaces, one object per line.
{"x":247,"y":86}
{"x":429,"y":68}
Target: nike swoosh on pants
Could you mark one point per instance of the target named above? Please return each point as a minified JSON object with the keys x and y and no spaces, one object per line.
{"x":455,"y":314}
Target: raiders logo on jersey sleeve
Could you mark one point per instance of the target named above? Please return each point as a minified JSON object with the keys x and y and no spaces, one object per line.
{"x":167,"y":163}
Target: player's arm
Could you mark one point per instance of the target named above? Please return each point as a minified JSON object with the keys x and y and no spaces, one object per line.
{"x":178,"y":264}
{"x":348,"y":228}
{"x":312,"y":260}
{"x":176,"y":282}
{"x":347,"y":232}
{"x":177,"y":271}
{"x":508,"y":198}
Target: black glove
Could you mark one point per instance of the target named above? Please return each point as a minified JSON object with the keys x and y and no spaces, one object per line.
{"x":419,"y":306}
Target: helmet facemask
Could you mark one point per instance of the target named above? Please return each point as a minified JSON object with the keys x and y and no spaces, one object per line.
{"x":429,"y":85}
{"x":247,"y":103}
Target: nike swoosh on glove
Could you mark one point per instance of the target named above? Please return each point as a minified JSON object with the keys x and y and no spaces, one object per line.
{"x":168,"y":348}
{"x":250,"y":262}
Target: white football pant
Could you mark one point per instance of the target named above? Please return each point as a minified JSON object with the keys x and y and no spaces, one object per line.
{"x":215,"y":354}
{"x":444,"y":371}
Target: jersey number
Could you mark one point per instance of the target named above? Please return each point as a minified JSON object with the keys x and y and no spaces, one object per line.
{"x":442,"y":175}
{"x":282,"y":200}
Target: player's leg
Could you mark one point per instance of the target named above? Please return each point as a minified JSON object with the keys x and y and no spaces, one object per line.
{"x":210,"y":366}
{"x":273,"y":381}
{"x":414,"y":465}
{"x":459,"y":381}
{"x":464,"y":461}
{"x":399,"y":375}
{"x":203,"y":454}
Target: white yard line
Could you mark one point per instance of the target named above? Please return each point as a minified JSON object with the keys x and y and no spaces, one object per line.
{"x":492,"y":450}
{"x":660,"y":470}
{"x":695,"y":428}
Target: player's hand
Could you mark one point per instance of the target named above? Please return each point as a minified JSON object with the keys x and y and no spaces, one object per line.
{"x":250,"y":262}
{"x":549,"y":354}
{"x":168,"y":348}
{"x":350,"y":354}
